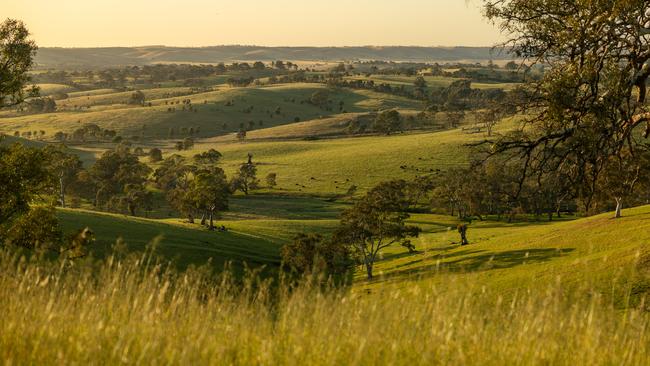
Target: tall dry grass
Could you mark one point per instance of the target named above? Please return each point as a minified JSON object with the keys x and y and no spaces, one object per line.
{"x":134,"y":310}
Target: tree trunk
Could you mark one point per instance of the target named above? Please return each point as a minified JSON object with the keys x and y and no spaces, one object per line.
{"x":190,"y":218}
{"x":203,"y":219}
{"x":62,"y":191}
{"x":211,"y":220}
{"x":369,"y":270}
{"x":619,"y":207}
{"x":132,"y":209}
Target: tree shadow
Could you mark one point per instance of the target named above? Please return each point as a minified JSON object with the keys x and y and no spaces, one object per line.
{"x":477,"y":262}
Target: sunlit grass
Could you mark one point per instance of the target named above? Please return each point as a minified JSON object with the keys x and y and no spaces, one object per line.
{"x":137,"y":311}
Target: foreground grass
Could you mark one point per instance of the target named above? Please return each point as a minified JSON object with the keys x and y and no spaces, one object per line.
{"x":134,"y":310}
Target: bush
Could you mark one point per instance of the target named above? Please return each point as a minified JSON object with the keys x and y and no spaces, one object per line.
{"x":312,"y":253}
{"x":37,"y":229}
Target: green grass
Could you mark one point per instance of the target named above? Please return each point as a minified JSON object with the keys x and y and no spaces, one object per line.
{"x":184,"y":243}
{"x":337,"y":164}
{"x":432,"y":81}
{"x":110,"y":112}
{"x":522,"y":294}
{"x":503,"y":257}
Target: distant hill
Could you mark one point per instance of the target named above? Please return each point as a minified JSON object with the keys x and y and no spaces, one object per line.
{"x":119,"y":56}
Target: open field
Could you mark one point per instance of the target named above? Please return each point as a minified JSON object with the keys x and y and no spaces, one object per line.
{"x":257,"y":106}
{"x":502,"y":257}
{"x":532,"y":294}
{"x":336,"y":164}
{"x":432,"y":81}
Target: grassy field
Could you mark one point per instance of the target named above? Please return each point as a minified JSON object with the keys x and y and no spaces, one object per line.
{"x":432,"y":81}
{"x":503,"y":257}
{"x":271,"y":106}
{"x":331,"y":166}
{"x":530,"y":295}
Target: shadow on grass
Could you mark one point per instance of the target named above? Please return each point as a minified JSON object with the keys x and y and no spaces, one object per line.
{"x":478,"y":261}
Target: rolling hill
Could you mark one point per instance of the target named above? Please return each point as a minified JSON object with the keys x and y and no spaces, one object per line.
{"x":48,"y":57}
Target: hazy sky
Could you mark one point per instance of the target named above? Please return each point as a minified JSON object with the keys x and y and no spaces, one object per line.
{"x":86,"y":23}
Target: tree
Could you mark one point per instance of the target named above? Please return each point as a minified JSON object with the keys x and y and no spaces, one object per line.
{"x":623,"y":174}
{"x":320,"y":98}
{"x":241,"y":135}
{"x":37,"y":229}
{"x":246,"y":179}
{"x":488,"y":119}
{"x":388,"y":122}
{"x":454,"y":118}
{"x":209,"y":192}
{"x":136,"y":196}
{"x":155,"y":155}
{"x":591,"y":102}
{"x":376,"y":222}
{"x":208,"y":159}
{"x":312,"y":253}
{"x":17,"y":52}
{"x":137,"y":97}
{"x":116,"y":170}
{"x":420,"y":82}
{"x":188,"y":143}
{"x":271,"y":180}
{"x":23,"y":176}
{"x":41,"y":105}
{"x":64,"y":166}
{"x":174,"y":177}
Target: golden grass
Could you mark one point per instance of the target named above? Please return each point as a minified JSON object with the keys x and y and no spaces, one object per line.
{"x":136,"y":311}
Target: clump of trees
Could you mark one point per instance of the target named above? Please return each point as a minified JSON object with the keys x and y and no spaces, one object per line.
{"x":375,"y":222}
{"x":388,"y":122}
{"x":118,"y":180}
{"x":195,"y":187}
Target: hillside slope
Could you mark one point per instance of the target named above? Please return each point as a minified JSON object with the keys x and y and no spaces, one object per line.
{"x":505,"y":257}
{"x":117,"y":56}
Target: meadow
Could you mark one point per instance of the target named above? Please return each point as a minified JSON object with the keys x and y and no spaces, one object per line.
{"x":135,"y":309}
{"x":156,"y":289}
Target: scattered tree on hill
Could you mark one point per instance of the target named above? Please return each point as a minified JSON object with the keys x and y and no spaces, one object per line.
{"x":17,"y":52}
{"x":320,"y":98}
{"x":246,"y":179}
{"x":420,"y":82}
{"x":174,"y":178}
{"x":188,"y":143}
{"x":155,"y":155}
{"x":241,"y":135}
{"x":488,"y":119}
{"x":623,"y":175}
{"x":375,"y":222}
{"x":209,"y":191}
{"x":454,"y":118}
{"x":41,"y":105}
{"x":137,"y":97}
{"x":64,"y":167}
{"x":388,"y":122}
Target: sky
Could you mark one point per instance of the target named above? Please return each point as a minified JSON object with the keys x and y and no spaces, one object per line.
{"x":103,"y":23}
